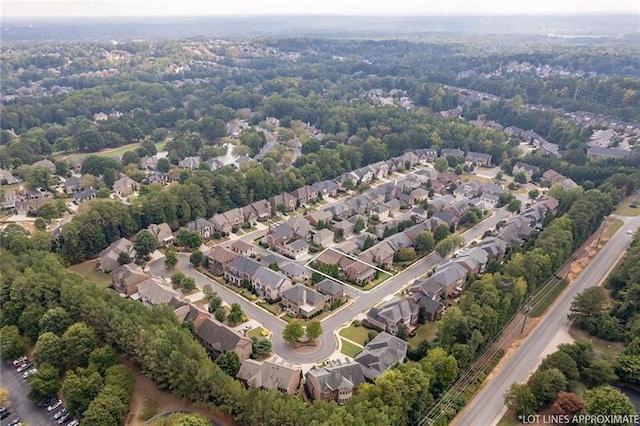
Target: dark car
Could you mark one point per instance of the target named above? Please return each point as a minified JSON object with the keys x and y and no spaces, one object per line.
{"x":4,"y":413}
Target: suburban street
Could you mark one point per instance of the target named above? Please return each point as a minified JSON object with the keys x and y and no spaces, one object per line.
{"x":21,"y":406}
{"x":328,"y":341}
{"x":487,"y":408}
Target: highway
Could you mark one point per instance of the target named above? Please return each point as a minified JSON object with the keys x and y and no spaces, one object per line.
{"x":328,"y":341}
{"x":487,"y":407}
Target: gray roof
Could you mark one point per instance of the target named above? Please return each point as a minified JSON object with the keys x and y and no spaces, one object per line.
{"x":608,"y":152}
{"x":329,"y":287}
{"x":156,"y":292}
{"x":300,"y":293}
{"x":381,"y":353}
{"x":245,"y":265}
{"x":298,"y":245}
{"x":269,"y":375}
{"x":346,"y":376}
{"x":268,"y":277}
{"x":293,"y":269}
{"x":198,"y":224}
{"x":220,"y":337}
{"x":85,"y":194}
{"x":448,"y":273}
{"x":445,"y":152}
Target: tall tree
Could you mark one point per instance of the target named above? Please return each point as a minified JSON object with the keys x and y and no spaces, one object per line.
{"x":293,"y":331}
{"x":229,"y":362}
{"x":145,"y":243}
{"x":313,"y":330}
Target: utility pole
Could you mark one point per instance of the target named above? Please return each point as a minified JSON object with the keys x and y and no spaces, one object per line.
{"x":527,"y":309}
{"x":604,"y":225}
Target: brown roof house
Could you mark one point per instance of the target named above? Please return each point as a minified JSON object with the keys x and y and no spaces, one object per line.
{"x":125,"y":278}
{"x":243,"y":248}
{"x":219,"y":259}
{"x":153,"y":291}
{"x":337,"y":382}
{"x":162,"y":232}
{"x":287,"y":200}
{"x":108,"y":260}
{"x":218,"y":338}
{"x":282,"y":377}
{"x":304,"y":301}
{"x":381,"y":354}
{"x":125,"y":186}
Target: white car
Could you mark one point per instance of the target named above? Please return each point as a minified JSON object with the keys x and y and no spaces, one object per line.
{"x":629,"y":231}
{"x":24,"y":367}
{"x":27,"y":373}
{"x":55,"y":405}
{"x":20,"y":360}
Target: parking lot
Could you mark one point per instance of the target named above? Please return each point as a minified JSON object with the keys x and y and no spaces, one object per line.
{"x":21,"y":406}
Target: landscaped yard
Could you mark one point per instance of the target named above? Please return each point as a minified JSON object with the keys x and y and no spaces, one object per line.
{"x":626,"y":208}
{"x":274,"y":308}
{"x":357,"y":334}
{"x":349,"y":349}
{"x":257,"y":332}
{"x":88,"y":270}
{"x":426,"y":331}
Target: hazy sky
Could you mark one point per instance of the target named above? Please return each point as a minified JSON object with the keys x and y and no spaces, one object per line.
{"x":95,"y":8}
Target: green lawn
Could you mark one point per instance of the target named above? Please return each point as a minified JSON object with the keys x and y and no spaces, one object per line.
{"x":88,"y":270}
{"x":542,"y":305}
{"x":349,"y":349}
{"x":255,"y":332}
{"x":274,"y":308}
{"x":357,"y":334}
{"x":625,"y":208}
{"x":112,"y":152}
{"x":426,"y":331}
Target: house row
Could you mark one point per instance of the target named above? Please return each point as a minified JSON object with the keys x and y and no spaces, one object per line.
{"x":131,"y":281}
{"x":553,"y":176}
{"x":529,"y":136}
{"x":306,"y":302}
{"x":350,"y":269}
{"x":267,"y":283}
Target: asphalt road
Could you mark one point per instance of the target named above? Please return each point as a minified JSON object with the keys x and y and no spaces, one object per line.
{"x":21,"y":406}
{"x":487,"y":408}
{"x":328,"y":341}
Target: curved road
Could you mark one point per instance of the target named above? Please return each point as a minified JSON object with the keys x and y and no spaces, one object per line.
{"x":362,"y":302}
{"x":487,"y":407}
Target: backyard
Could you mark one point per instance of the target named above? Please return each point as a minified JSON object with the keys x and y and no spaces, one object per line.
{"x":358,"y":334}
{"x":426,"y":332}
{"x":88,"y":270}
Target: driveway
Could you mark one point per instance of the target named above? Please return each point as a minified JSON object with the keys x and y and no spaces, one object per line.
{"x":328,"y":341}
{"x":21,"y":406}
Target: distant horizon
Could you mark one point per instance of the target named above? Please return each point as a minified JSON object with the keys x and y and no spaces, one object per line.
{"x":109,"y":9}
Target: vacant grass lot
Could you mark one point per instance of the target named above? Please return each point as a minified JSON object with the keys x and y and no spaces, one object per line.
{"x":88,"y":270}
{"x":349,"y":349}
{"x":626,"y":208}
{"x":357,"y":334}
{"x":112,"y":152}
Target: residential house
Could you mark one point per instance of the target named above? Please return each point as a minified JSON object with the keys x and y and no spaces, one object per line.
{"x":599,"y":153}
{"x":29,"y":207}
{"x":280,"y":376}
{"x":304,"y":301}
{"x":527,"y":169}
{"x":332,"y":289}
{"x":478,"y":159}
{"x":243,"y":248}
{"x":441,"y":201}
{"x":344,"y":228}
{"x":389,"y":316}
{"x":360,"y":204}
{"x":380,"y":255}
{"x":357,"y":272}
{"x":7,"y":178}
{"x":451,"y":152}
{"x":84,"y":195}
{"x":319,"y":216}
{"x":489,"y":200}
{"x":218,"y":338}
{"x":337,"y":382}
{"x":72,"y":185}
{"x":517,"y":231}
{"x":493,"y":188}
{"x":418,"y":195}
{"x":125,"y":278}
{"x":433,"y":309}
{"x":269,"y":284}
{"x":459,"y":208}
{"x":473,"y":260}
{"x":381,"y":211}
{"x":393,"y":206}
{"x":219,"y":259}
{"x":221,"y":224}
{"x":446,"y":218}
{"x":257,"y":211}
{"x":108,"y":258}
{"x":418,"y":214}
{"x":305,"y":195}
{"x":323,"y":237}
{"x":295,"y":271}
{"x":301,"y":227}
{"x":381,"y":354}
{"x":467,"y":190}
{"x":361,"y":239}
{"x":125,"y":186}
{"x":427,"y":155}
{"x":327,"y":188}
{"x":494,"y":247}
{"x":153,"y":291}
{"x":240,"y":269}
{"x":448,"y":278}
{"x":158,"y":177}
{"x":214,"y":164}
{"x":149,"y":163}
{"x":409,"y":160}
{"x":285,"y":199}
{"x":202,"y":226}
{"x":295,"y":249}
{"x":340,"y":210}
{"x":162,"y":232}
{"x":278,"y":235}
{"x":47,"y":165}
{"x":190,"y":163}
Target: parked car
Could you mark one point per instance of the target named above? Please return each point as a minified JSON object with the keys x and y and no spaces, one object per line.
{"x":60,"y":413}
{"x":54,"y":405}
{"x":14,"y":422}
{"x":24,"y":367}
{"x":4,"y":413}
{"x":74,"y":423}
{"x":64,"y":418}
{"x":27,"y":373}
{"x":50,"y":401}
{"x":19,"y":361}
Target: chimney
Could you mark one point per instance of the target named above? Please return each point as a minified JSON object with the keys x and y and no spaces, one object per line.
{"x":304,"y":296}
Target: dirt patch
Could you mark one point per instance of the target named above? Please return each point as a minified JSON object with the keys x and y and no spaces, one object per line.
{"x":148,"y":399}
